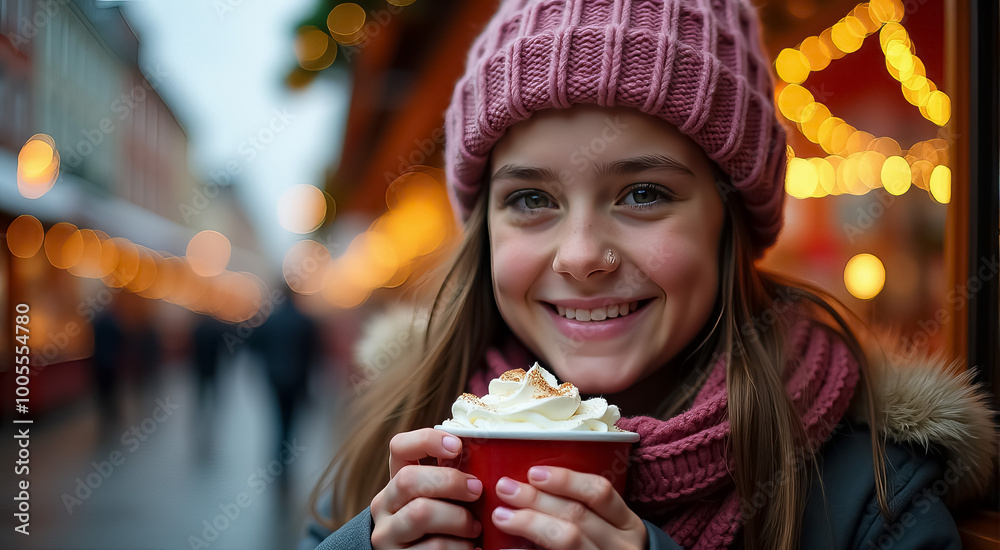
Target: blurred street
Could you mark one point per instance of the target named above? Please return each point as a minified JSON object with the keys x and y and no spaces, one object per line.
{"x":178,"y":472}
{"x":205,"y":205}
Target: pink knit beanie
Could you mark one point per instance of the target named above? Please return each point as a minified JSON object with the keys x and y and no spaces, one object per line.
{"x":697,"y":64}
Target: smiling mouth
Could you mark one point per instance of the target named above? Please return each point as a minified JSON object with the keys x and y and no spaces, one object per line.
{"x":599,"y":313}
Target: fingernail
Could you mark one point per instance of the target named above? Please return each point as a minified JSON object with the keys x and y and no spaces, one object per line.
{"x":537,"y":473}
{"x":475,"y":486}
{"x":507,"y":486}
{"x":502,"y":515}
{"x":476,"y":528}
{"x":451,"y":443}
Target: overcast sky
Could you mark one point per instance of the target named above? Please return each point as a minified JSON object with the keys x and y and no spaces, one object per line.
{"x":226,"y":61}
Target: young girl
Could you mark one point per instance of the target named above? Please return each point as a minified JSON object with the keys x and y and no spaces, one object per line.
{"x":620,"y":168}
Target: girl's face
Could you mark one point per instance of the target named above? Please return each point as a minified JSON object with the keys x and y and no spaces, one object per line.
{"x":566,"y":187}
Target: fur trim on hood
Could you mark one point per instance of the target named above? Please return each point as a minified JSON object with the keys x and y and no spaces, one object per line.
{"x":925,"y":401}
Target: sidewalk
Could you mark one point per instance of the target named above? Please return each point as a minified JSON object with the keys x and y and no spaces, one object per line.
{"x":172,"y":477}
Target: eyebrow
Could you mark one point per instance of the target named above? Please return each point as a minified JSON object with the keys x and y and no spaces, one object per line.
{"x":641,"y":164}
{"x":631,"y":165}
{"x":527,"y":173}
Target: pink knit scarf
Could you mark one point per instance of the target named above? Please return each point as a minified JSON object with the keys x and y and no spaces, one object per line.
{"x":679,"y":473}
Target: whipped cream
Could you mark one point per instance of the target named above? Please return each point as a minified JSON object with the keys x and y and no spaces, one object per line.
{"x":532,"y":401}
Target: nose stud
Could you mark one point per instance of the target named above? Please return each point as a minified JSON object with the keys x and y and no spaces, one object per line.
{"x":610,"y":257}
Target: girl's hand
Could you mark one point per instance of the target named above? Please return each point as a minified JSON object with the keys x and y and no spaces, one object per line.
{"x":412,"y":510}
{"x":561,"y":509}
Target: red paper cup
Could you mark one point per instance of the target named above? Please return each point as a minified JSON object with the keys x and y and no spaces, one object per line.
{"x":492,"y":454}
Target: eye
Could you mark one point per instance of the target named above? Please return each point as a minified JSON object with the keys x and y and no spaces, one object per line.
{"x":530,"y":199}
{"x":641,"y":195}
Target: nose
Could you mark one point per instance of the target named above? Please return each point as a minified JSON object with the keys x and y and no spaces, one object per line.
{"x":582,"y":251}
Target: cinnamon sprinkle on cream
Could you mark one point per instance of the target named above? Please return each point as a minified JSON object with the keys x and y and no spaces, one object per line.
{"x":476,"y":401}
{"x":545,"y":390}
{"x":513,"y":375}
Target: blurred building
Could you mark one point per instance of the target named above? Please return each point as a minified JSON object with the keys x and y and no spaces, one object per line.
{"x":70,"y":70}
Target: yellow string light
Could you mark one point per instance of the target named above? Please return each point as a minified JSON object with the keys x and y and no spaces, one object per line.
{"x":792,"y":66}
{"x":940,"y":184}
{"x":860,"y":161}
{"x":895,"y":175}
{"x":802,"y":179}
{"x":826,"y":177}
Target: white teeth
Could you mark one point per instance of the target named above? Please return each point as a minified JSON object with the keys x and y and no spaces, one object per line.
{"x":597,"y":314}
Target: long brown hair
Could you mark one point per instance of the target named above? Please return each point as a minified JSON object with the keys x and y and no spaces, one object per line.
{"x":759,"y":408}
{"x":464,"y":321}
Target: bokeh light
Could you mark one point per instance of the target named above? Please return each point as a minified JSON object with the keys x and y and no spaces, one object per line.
{"x":833,"y":134}
{"x":55,"y":245}
{"x":120,"y":263}
{"x":859,"y":140}
{"x":887,"y":146}
{"x":418,"y":222}
{"x":940,"y":184}
{"x":237,"y":296}
{"x":303,"y":208}
{"x":921,"y":174}
{"x":792,"y":66}
{"x":938,"y":107}
{"x":815,"y":52}
{"x":145,"y":273}
{"x":826,"y":177}
{"x":163,"y":282}
{"x":810,"y":127}
{"x":886,"y":11}
{"x":25,"y":236}
{"x":864,"y":276}
{"x":826,"y":39}
{"x":190,"y":289}
{"x":305,"y":265}
{"x":896,"y":175}
{"x":862,"y":12}
{"x":109,"y":256}
{"x":801,"y":179}
{"x":127,"y":266}
{"x":844,"y":35}
{"x":340,"y":291}
{"x":796,"y":103}
{"x":870,"y":169}
{"x":37,"y":166}
{"x":208,"y":253}
{"x":90,"y":263}
{"x":346,"y":23}
{"x":314,"y":49}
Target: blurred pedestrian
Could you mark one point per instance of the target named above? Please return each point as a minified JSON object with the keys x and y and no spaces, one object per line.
{"x":105,"y":369}
{"x":288,"y":342}
{"x":206,"y":342}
